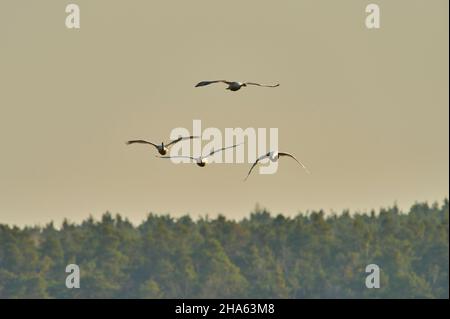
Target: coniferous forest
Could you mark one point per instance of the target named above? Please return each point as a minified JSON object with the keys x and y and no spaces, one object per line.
{"x":313,"y":255}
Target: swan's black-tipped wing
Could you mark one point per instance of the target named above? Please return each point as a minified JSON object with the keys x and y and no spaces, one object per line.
{"x":263,"y":85}
{"x":293,"y":157}
{"x":204,"y":83}
{"x":222,"y":149}
{"x":256,"y":163}
{"x":141,"y":142}
{"x":251,"y":168}
{"x":190,"y":157}
{"x":181,"y":139}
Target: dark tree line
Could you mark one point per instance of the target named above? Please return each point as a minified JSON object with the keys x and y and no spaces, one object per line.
{"x":263,"y":256}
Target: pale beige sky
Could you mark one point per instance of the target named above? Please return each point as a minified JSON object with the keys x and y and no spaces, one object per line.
{"x":366,"y":110}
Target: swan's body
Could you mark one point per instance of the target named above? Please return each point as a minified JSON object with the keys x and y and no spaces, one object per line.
{"x":234,"y":86}
{"x":202,"y":160}
{"x":162,"y":148}
{"x":274,"y":156}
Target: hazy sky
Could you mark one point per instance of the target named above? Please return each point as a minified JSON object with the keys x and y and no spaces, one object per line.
{"x":365,"y":110}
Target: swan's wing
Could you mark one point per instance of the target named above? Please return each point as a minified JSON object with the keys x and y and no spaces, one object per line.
{"x":141,"y":142}
{"x":192,"y":158}
{"x":256,"y":162}
{"x":251,"y":168}
{"x":222,"y":149}
{"x":203,"y":83}
{"x":181,"y":139}
{"x":292,"y":156}
{"x":264,"y":85}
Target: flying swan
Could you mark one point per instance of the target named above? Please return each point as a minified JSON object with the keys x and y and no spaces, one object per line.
{"x":274,"y":156}
{"x":162,"y":148}
{"x":234,"y":86}
{"x":202,"y":160}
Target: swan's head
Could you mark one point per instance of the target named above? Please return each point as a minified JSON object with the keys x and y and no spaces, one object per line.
{"x":273,"y":156}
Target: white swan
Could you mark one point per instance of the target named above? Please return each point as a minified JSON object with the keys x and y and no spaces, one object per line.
{"x":274,"y":156}
{"x":201,"y":160}
{"x":234,"y":86}
{"x":162,"y":148}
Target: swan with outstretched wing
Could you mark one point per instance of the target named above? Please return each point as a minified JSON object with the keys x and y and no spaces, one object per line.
{"x":274,"y":156}
{"x":233,"y":85}
{"x":202,"y":160}
{"x":162,"y":148}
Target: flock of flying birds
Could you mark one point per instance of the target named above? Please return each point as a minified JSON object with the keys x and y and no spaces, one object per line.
{"x":202,"y":160}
